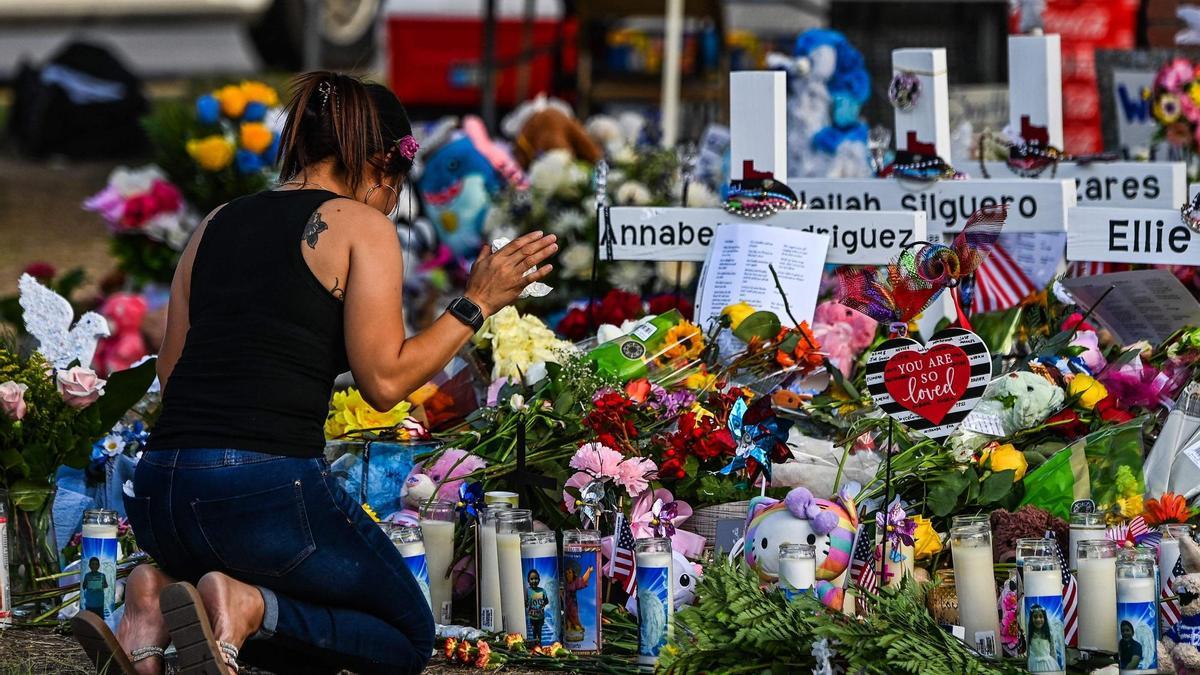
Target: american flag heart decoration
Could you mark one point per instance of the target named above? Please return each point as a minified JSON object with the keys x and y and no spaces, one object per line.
{"x":930,"y":388}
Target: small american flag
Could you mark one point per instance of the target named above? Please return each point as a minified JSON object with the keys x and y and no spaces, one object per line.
{"x":1000,"y":283}
{"x":1070,"y":596}
{"x":862,"y":564}
{"x":1091,"y":269}
{"x":1170,"y":608}
{"x":623,"y":566}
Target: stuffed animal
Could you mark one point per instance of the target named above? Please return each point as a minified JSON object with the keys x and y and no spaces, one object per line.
{"x":1019,"y":400}
{"x":126,"y":346}
{"x":843,"y":333}
{"x":803,"y":519}
{"x":545,"y":124}
{"x":687,"y":575}
{"x":1179,"y":648}
{"x":443,"y":477}
{"x":457,"y":184}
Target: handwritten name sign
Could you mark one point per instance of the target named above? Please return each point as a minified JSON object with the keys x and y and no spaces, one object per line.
{"x":1131,"y":236}
{"x":855,"y":237}
{"x":1152,"y":185}
{"x":930,"y":389}
{"x":1033,"y":205}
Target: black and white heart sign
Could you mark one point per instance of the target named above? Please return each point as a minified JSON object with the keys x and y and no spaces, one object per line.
{"x":930,"y":388}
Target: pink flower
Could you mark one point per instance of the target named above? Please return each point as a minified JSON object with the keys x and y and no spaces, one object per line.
{"x":12,"y":399}
{"x":108,"y":203}
{"x":79,"y":386}
{"x":597,"y":459}
{"x":577,"y":482}
{"x":1091,"y":355}
{"x":166,"y":196}
{"x":632,"y":474}
{"x":1175,"y":75}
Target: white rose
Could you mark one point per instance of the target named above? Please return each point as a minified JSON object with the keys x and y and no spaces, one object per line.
{"x":634,"y":193}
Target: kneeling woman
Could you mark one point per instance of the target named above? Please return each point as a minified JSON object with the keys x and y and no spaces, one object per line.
{"x":277,"y":293}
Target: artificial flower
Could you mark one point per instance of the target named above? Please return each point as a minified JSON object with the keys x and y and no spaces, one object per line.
{"x":1168,"y":508}
{"x":208,"y":109}
{"x":1005,"y":457}
{"x":79,"y":386}
{"x":926,"y":541}
{"x":897,"y":526}
{"x":232,"y":100}
{"x":112,"y":445}
{"x":450,"y":647}
{"x":12,"y":400}
{"x":212,"y":153}
{"x":255,"y":137}
{"x":700,"y":380}
{"x":684,"y":341}
{"x":259,"y":92}
{"x":737,"y":313}
{"x":1088,"y":391}
{"x":1067,"y":423}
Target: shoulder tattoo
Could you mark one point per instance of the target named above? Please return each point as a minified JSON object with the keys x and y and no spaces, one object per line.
{"x":313,"y":229}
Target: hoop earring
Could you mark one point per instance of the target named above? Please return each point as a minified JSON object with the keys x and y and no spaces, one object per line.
{"x":395,"y":192}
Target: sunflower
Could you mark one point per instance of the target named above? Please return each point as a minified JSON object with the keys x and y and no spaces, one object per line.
{"x":684,"y":341}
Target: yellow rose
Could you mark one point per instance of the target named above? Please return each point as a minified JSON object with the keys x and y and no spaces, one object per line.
{"x":1089,"y":391}
{"x":233,"y":101}
{"x":699,"y":380}
{"x":926,"y":541}
{"x":257,"y":92}
{"x":1003,"y":458}
{"x":737,"y":313}
{"x":350,"y":412}
{"x":256,"y":137}
{"x":212,"y":153}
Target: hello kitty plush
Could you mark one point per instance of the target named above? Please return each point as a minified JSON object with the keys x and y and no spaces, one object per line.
{"x":803,"y":519}
{"x":1179,"y":647}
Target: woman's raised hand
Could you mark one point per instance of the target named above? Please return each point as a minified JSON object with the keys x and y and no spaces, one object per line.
{"x":497,"y":279}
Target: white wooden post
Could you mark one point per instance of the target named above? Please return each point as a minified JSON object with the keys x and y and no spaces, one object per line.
{"x":927,"y":123}
{"x":758,"y":123}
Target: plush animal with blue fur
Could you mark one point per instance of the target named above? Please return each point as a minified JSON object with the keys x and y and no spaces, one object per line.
{"x":457,"y":184}
{"x":827,"y":87}
{"x":1179,"y":647}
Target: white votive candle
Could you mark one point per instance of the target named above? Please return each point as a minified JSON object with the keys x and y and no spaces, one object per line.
{"x":1047,"y":651}
{"x":408,"y":541}
{"x":1137,"y":613}
{"x":510,"y":523}
{"x":655,"y":598}
{"x":797,"y":568}
{"x":437,"y":529}
{"x":975,"y":581}
{"x":1084,"y":527}
{"x":1097,"y":579}
{"x":488,"y":574}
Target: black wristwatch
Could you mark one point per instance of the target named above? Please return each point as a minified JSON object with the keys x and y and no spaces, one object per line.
{"x":467,"y":312}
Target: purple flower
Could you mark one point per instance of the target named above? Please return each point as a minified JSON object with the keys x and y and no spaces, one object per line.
{"x":662,"y":515}
{"x":108,"y":203}
{"x":899,"y":528}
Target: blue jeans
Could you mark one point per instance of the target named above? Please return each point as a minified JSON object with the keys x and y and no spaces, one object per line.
{"x":337,"y":592}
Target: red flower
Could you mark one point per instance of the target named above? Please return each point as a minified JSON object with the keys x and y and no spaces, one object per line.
{"x":1076,"y":322}
{"x":575,"y":326}
{"x":1068,"y":424}
{"x":42,"y":271}
{"x":1110,"y":410}
{"x":137,"y":211}
{"x":618,"y":307}
{"x":700,"y":436}
{"x":166,"y":196}
{"x":612,"y":414}
{"x":638,"y":390}
{"x":665,"y":302}
{"x":671,"y":469}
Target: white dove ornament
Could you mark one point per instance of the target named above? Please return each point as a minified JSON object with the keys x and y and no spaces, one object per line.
{"x":48,"y":318}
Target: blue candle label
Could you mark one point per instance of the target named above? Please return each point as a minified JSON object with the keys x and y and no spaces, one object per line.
{"x":541,"y":600}
{"x":1044,"y":634}
{"x":581,"y":600}
{"x":98,"y":576}
{"x":1137,"y":630}
{"x":420,"y":571}
{"x":654,"y":610}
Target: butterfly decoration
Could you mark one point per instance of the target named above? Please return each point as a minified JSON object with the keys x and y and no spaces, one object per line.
{"x":48,"y":317}
{"x":761,"y":438}
{"x":897,"y":292}
{"x":1133,"y":533}
{"x":470,"y":501}
{"x":898,"y":529}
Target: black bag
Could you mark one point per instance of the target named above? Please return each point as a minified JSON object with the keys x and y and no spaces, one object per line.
{"x":82,"y":103}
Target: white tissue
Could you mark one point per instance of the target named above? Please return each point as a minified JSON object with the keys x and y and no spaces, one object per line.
{"x":536,"y":289}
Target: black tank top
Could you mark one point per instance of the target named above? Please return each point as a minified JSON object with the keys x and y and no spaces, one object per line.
{"x":266,"y":337}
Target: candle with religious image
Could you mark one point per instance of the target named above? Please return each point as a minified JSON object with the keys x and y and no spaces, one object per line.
{"x":5,"y":590}
{"x":437,"y":530}
{"x":491,"y":607}
{"x":797,"y":568}
{"x":510,"y":524}
{"x":975,"y":581}
{"x":655,"y":597}
{"x":1044,"y":617}
{"x":98,"y":560}
{"x":1097,"y":578}
{"x":1028,"y":548}
{"x":581,"y":573}
{"x":1137,"y":613}
{"x":539,"y":567}
{"x":409,"y":542}
{"x":1084,"y":526}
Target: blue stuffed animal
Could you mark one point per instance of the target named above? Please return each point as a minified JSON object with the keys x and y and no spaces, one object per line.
{"x":457,"y":184}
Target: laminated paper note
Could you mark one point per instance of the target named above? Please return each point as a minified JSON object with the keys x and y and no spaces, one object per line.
{"x":1143,"y":305}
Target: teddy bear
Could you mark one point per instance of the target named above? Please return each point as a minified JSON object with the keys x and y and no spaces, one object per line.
{"x":843,"y":333}
{"x":545,"y":124}
{"x":1179,"y":647}
{"x":801,"y":518}
{"x":443,"y":477}
{"x":126,"y":345}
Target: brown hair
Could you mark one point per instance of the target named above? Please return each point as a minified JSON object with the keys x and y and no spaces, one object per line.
{"x":358,"y":124}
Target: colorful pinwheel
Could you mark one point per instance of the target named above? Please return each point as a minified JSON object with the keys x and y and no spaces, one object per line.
{"x":898,"y":529}
{"x":470,"y":500}
{"x":761,"y":437}
{"x":1133,"y":533}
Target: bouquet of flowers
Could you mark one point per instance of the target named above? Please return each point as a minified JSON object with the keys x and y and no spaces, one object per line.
{"x":148,"y":219}
{"x":1175,"y":106}
{"x":222,"y":147}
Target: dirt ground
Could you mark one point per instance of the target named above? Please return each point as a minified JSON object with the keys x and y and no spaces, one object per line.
{"x":41,"y":218}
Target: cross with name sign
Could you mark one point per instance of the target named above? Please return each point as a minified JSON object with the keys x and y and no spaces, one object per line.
{"x":1035,"y":114}
{"x":1033,"y":206}
{"x":1153,"y":236}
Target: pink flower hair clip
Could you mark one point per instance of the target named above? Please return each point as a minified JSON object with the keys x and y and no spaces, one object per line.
{"x":408,"y":147}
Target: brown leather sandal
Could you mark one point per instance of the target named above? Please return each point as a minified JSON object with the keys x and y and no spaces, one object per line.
{"x":102,"y":648}
{"x":197,"y":649}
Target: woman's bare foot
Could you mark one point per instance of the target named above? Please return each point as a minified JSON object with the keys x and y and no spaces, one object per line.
{"x":143,"y":624}
{"x":235,"y":609}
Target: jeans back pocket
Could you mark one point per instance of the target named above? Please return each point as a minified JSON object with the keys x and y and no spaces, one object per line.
{"x":264,"y":533}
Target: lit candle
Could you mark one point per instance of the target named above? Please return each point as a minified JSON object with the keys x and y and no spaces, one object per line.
{"x":539,"y":569}
{"x":1084,"y":526}
{"x":1047,"y":651}
{"x":655,"y":597}
{"x":975,"y":581}
{"x":408,"y":541}
{"x":1097,"y":578}
{"x":510,"y":523}
{"x":437,"y":529}
{"x":1137,"y":613}
{"x":581,"y":591}
{"x":491,"y":613}
{"x":797,"y":568}
{"x":98,"y":561}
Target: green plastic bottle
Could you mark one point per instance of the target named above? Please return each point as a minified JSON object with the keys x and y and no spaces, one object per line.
{"x":629,"y":356}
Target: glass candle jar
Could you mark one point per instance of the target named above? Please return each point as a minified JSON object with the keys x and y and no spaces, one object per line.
{"x":408,"y":540}
{"x":487,"y":571}
{"x":581,"y":572}
{"x":797,"y":568}
{"x":1137,"y":613}
{"x":975,"y":581}
{"x":1096,"y":575}
{"x":437,"y":530}
{"x":510,"y":524}
{"x":1044,"y":616}
{"x":655,"y":598}
{"x":98,"y":562}
{"x":539,"y":569}
{"x":1084,"y":526}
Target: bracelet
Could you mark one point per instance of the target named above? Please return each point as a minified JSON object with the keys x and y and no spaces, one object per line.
{"x":758,"y":198}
